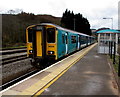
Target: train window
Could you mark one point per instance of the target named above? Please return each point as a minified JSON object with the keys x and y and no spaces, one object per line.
{"x":83,"y":39}
{"x":50,"y":35}
{"x":73,"y":39}
{"x":66,"y":39}
{"x":30,"y":35}
{"x":63,"y":38}
{"x":79,"y":38}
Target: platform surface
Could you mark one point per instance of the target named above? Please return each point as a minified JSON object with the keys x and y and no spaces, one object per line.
{"x":89,"y":76}
{"x":83,"y":73}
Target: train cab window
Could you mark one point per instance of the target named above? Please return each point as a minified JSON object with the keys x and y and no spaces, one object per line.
{"x":51,"y":35}
{"x":30,"y":35}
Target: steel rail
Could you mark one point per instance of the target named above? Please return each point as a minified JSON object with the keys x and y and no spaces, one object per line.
{"x":10,"y":83}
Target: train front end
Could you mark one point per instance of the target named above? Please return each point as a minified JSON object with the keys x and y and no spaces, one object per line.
{"x":41,"y":44}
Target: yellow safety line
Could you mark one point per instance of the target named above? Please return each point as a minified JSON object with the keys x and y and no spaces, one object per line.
{"x":51,"y":82}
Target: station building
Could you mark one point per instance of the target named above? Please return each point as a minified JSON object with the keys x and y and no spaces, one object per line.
{"x":105,"y":37}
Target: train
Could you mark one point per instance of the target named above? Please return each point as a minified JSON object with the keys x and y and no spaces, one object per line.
{"x":49,"y":42}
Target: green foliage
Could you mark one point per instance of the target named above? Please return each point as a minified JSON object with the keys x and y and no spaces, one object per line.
{"x":75,"y":22}
{"x":14,"y":27}
{"x":116,"y":63}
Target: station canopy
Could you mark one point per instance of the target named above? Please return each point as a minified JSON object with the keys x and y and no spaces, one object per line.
{"x":108,"y":31}
{"x":105,"y":37}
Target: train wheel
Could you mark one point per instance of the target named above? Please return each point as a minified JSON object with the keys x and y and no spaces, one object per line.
{"x":37,"y":64}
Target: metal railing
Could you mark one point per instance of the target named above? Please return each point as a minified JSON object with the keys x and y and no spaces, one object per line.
{"x":115,"y":55}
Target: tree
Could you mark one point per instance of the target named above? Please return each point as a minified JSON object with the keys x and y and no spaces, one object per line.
{"x":75,"y":22}
{"x":15,"y":11}
{"x":14,"y":26}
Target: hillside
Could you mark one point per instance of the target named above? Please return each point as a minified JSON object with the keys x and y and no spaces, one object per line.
{"x":14,"y":26}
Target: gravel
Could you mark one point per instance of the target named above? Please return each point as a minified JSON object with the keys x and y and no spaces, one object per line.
{"x":16,"y":69}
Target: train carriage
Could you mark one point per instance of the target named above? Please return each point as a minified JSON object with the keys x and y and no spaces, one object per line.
{"x":47,"y":42}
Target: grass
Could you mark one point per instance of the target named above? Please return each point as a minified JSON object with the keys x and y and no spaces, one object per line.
{"x":116,"y":62}
{"x":15,"y":45}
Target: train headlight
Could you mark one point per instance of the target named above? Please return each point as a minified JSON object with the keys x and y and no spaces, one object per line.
{"x":51,"y":52}
{"x":30,"y":51}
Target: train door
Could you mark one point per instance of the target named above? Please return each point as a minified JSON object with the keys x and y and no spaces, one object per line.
{"x":78,"y":43}
{"x":87,"y":41}
{"x":80,"y":40}
{"x":66,"y":42}
{"x":39,"y":42}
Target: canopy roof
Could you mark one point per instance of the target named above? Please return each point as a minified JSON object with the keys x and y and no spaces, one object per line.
{"x":108,"y":31}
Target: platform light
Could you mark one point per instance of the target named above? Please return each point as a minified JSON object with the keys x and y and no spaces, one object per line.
{"x":112,"y":22}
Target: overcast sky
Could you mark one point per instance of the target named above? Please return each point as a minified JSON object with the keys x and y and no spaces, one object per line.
{"x":93,"y":10}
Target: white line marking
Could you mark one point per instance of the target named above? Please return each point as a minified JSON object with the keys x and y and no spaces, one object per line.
{"x":37,"y":73}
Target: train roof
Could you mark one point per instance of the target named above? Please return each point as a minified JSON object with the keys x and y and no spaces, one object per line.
{"x":61,"y":28}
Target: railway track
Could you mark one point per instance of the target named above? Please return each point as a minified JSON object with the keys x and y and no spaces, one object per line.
{"x":10,"y":83}
{"x":14,"y":63}
{"x":12,"y":55}
{"x":2,"y":49}
{"x":17,"y":74}
{"x":15,"y":66}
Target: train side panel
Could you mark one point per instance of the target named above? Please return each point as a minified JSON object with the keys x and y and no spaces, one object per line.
{"x":61,"y":45}
{"x":67,"y":43}
{"x":72,"y":42}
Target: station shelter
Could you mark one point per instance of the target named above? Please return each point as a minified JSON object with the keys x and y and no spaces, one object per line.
{"x":105,"y":37}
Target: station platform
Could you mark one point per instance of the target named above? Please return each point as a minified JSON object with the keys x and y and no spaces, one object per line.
{"x":83,"y":73}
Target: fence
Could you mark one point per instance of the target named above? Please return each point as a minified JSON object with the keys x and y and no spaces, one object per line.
{"x":115,"y":55}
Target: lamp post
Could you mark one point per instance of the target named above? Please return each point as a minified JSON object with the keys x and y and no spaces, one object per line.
{"x":112,"y":21}
{"x":74,"y":24}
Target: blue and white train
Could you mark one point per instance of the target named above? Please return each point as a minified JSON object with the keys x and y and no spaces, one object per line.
{"x":47,"y":41}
